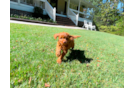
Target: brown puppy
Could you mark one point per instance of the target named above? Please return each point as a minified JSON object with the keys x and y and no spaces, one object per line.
{"x":65,"y":42}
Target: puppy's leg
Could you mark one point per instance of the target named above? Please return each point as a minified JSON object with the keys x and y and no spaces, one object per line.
{"x":58,"y":50}
{"x":72,"y":45}
{"x":59,"y":60}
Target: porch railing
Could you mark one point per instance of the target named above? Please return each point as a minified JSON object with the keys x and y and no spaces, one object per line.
{"x":50,"y":10}
{"x":83,"y":16}
{"x":73,"y":16}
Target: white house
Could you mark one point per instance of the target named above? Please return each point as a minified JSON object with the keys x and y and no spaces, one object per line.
{"x":72,"y":9}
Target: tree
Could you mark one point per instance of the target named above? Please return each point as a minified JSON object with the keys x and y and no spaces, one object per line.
{"x":106,"y":13}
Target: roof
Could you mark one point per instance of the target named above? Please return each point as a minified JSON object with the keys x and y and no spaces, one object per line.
{"x":83,"y":3}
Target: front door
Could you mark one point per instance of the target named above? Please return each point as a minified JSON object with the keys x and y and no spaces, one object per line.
{"x":65,"y":9}
{"x":54,"y":3}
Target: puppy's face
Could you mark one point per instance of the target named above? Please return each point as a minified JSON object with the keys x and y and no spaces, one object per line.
{"x":63,"y":38}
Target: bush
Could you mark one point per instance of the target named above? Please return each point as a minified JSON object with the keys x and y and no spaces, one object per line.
{"x":118,"y":30}
{"x":32,"y":18}
{"x":39,"y":19}
{"x":120,"y":26}
{"x":102,"y":28}
{"x":38,"y":12}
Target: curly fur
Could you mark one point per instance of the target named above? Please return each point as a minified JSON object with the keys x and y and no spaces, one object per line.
{"x":65,"y":42}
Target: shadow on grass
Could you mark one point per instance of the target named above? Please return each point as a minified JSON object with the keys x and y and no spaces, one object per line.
{"x":77,"y":55}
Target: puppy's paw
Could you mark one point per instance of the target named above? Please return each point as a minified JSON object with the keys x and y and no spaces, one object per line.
{"x":59,"y":61}
{"x":58,"y":54}
{"x":72,"y":48}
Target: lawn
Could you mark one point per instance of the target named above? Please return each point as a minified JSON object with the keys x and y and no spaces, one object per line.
{"x":97,"y":60}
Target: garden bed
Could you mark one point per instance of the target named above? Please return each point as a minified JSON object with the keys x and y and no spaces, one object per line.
{"x":33,"y":21}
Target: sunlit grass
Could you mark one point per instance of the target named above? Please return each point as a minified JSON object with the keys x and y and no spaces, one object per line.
{"x":33,"y":60}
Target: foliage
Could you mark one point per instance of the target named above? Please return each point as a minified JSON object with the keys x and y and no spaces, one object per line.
{"x":107,"y":16}
{"x":32,"y":18}
{"x":117,"y":29}
{"x":108,"y":28}
{"x":38,"y":12}
{"x":120,"y":25}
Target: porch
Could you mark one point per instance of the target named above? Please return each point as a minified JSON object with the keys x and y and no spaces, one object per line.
{"x":72,"y":9}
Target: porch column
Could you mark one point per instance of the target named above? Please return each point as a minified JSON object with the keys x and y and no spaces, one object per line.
{"x":68,"y":6}
{"x":86,"y":12}
{"x":54,"y":14}
{"x":78,"y":13}
{"x":79,"y":6}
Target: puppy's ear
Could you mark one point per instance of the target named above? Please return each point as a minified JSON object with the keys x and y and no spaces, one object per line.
{"x":74,"y":37}
{"x":56,"y":35}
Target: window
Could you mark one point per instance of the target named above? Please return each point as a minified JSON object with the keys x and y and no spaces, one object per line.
{"x":14,"y":0}
{"x":28,"y":2}
{"x":23,"y":1}
{"x":42,"y":5}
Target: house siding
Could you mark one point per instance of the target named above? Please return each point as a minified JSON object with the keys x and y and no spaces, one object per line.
{"x":16,"y":8}
{"x":19,"y":12}
{"x":37,"y":3}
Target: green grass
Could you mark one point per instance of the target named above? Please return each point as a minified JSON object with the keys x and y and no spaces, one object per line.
{"x":32,"y":55}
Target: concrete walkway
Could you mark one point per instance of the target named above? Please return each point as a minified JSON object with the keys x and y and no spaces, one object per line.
{"x":22,"y":22}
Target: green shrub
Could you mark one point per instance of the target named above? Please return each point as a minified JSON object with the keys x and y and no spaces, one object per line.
{"x":11,"y":15}
{"x":32,"y":18}
{"x":49,"y":20}
{"x":25,"y":17}
{"x":16,"y":16}
{"x":113,"y":28}
{"x":120,"y":25}
{"x":39,"y":19}
{"x":103,"y":28}
{"x":38,"y":12}
{"x":55,"y":22}
{"x":118,"y":30}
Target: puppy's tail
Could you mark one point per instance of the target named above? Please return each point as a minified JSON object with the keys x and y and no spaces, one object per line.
{"x":77,"y":36}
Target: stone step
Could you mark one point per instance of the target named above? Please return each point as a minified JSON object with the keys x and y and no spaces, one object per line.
{"x":64,"y":21}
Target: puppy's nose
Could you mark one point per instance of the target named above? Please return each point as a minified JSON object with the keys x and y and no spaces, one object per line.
{"x":64,"y":41}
